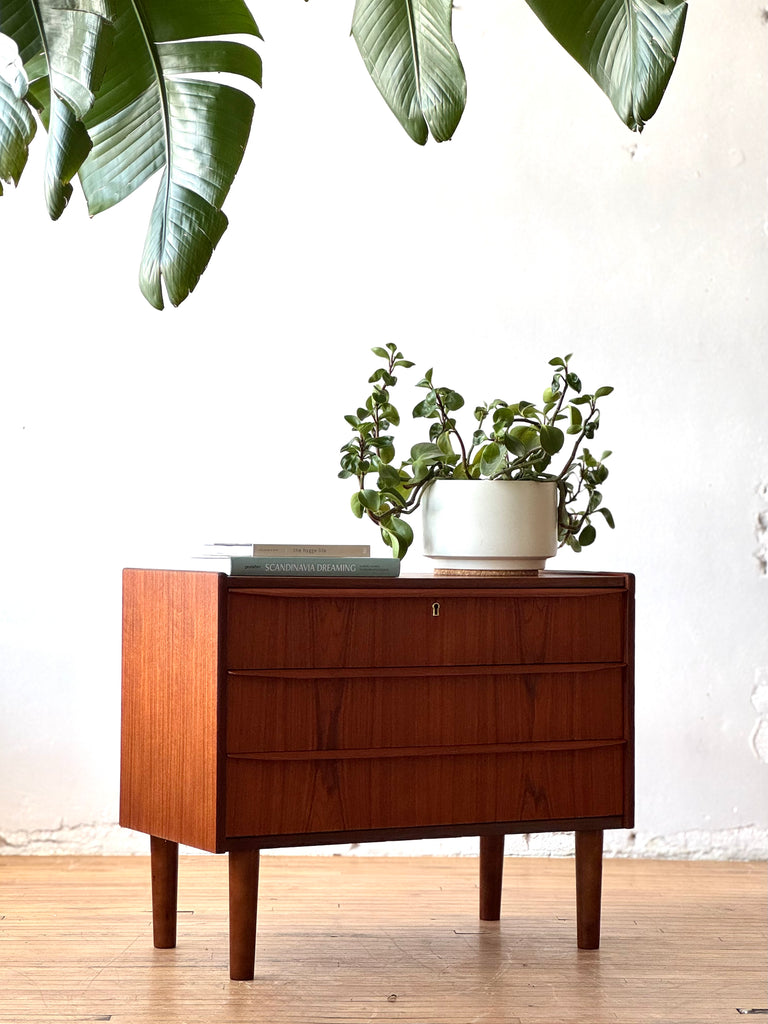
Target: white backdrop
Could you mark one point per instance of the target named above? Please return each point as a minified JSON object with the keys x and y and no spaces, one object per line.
{"x":544,"y":227}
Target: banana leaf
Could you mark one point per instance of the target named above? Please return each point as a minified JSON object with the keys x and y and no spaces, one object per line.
{"x":17,"y":125}
{"x":123,"y":88}
{"x":408,"y":49}
{"x":64,"y":48}
{"x":154,"y":113}
{"x":629,"y":47}
{"x":120,"y":86}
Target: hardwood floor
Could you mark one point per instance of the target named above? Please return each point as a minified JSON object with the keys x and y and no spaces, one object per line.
{"x":348,"y":940}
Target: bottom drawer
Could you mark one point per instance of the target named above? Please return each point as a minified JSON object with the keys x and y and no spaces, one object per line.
{"x":285,"y":797}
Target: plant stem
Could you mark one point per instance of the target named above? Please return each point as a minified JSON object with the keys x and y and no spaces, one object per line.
{"x":451,"y":430}
{"x":413,"y":503}
{"x":579,"y":439}
{"x":556,"y":413}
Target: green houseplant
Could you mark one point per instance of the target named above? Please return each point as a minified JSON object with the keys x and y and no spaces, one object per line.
{"x":513,"y":441}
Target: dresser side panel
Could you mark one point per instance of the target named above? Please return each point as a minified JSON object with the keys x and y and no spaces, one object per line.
{"x":170,"y":705}
{"x":629,"y":708}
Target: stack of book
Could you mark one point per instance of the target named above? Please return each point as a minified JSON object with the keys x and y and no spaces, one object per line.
{"x":295,"y":560}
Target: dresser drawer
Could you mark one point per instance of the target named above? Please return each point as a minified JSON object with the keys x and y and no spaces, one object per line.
{"x":285,"y":797}
{"x":300,"y":710}
{"x":299,"y":629}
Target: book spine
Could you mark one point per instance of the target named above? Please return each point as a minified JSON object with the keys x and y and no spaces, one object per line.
{"x":244,"y":566}
{"x":311,"y":550}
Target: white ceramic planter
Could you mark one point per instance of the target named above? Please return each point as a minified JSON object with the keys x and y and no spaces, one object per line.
{"x":503,"y":525}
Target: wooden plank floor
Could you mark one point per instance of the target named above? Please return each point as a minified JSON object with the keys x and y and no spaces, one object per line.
{"x":352,"y":940}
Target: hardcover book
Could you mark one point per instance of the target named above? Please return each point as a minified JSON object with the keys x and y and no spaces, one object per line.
{"x":246,"y":565}
{"x":291,"y":550}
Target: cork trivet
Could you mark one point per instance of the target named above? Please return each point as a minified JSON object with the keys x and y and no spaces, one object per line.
{"x":487,"y":572}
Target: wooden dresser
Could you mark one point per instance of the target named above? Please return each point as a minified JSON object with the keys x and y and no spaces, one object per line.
{"x":265,"y":713}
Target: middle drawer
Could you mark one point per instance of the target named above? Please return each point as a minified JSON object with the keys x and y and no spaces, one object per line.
{"x":297,"y":710}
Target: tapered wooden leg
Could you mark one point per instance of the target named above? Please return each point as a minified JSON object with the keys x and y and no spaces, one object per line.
{"x":165,"y":884}
{"x":589,"y":877}
{"x":243,"y":897}
{"x":491,"y":872}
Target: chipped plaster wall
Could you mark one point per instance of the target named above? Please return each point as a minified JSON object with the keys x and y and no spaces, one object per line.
{"x":544,"y":227}
{"x":742,"y":844}
{"x":760,"y":704}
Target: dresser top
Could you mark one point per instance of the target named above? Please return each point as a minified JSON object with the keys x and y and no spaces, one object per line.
{"x":541,"y":580}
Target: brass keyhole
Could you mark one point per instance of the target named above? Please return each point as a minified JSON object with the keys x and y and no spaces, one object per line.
{"x":436,"y":609}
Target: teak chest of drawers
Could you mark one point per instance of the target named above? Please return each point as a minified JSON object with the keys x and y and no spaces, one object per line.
{"x":265,"y":713}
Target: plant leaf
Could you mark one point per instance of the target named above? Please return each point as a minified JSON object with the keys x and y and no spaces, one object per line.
{"x":491,"y":459}
{"x":144,"y":120}
{"x":397,"y":534}
{"x":12,"y":67}
{"x":426,"y":452}
{"x":587,"y":536}
{"x":389,"y":477}
{"x":607,"y":516}
{"x":452,"y":400}
{"x":629,"y":47}
{"x":427,"y":408}
{"x":391,"y":414}
{"x":17,"y":125}
{"x":526,"y":436}
{"x":370,"y":499}
{"x":408,"y":48}
{"x":65,"y":48}
{"x":552,"y":439}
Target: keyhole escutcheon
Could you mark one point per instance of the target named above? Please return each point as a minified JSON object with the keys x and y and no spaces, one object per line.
{"x":436,"y":609}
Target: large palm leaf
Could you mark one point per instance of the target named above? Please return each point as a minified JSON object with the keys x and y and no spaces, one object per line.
{"x":150,"y":114}
{"x":17,"y":125}
{"x":153,"y":112}
{"x":409,"y":51}
{"x":149,"y":111}
{"x":64,"y":49}
{"x":629,"y":47}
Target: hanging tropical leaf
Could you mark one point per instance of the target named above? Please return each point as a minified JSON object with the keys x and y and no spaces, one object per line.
{"x":12,"y":67}
{"x":147,"y":110}
{"x":408,"y":49}
{"x":123,"y":88}
{"x":629,"y":47}
{"x":17,"y":125}
{"x":149,"y":116}
{"x":64,"y":48}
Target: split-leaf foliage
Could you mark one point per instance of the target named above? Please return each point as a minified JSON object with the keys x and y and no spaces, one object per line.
{"x":124,"y":91}
{"x":120,"y":87}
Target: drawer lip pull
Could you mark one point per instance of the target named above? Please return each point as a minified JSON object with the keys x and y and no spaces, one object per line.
{"x":512,"y":590}
{"x":446,"y":831}
{"x":375,"y":753}
{"x":421,"y":672}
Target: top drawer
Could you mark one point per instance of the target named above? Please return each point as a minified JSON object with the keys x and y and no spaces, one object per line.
{"x":301,"y":629}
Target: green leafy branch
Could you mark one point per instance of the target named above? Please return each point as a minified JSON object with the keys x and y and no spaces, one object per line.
{"x":511,"y":441}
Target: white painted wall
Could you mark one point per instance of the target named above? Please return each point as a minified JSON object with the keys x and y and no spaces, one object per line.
{"x":544,"y":227}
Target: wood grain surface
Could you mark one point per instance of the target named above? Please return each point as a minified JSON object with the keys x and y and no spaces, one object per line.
{"x":277,"y":707}
{"x":346,"y":940}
